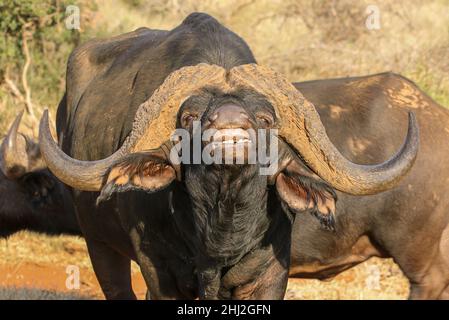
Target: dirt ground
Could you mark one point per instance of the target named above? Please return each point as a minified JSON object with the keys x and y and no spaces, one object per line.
{"x":36,"y":261}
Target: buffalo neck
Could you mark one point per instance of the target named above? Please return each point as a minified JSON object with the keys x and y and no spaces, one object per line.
{"x":229,"y":210}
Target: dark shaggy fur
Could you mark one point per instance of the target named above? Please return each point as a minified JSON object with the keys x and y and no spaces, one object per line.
{"x":230,"y":210}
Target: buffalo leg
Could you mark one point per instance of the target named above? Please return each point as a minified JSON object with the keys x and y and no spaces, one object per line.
{"x":431,"y":283}
{"x":112,"y":269}
{"x":444,"y":249}
{"x":261,"y":275}
{"x":445,"y":294}
{"x":274,"y":283}
{"x":271,"y":285}
{"x":209,"y":283}
{"x":160,"y":284}
{"x":165,"y":276}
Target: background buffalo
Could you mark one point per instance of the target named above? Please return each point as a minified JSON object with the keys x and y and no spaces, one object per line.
{"x":31,"y":198}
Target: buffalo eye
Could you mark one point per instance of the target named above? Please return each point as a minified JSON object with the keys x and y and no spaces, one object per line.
{"x":265,"y":120}
{"x":187,"y":119}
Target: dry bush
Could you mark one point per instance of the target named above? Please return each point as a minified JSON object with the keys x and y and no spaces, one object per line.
{"x":311,"y":39}
{"x":34,"y":46}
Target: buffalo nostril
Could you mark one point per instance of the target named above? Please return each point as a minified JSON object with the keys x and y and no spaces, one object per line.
{"x":229,"y":115}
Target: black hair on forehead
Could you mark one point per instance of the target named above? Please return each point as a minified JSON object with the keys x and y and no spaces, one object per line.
{"x":212,"y":97}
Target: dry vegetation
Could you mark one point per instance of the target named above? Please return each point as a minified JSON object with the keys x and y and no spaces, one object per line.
{"x":305,"y":40}
{"x":34,"y":260}
{"x":311,"y":39}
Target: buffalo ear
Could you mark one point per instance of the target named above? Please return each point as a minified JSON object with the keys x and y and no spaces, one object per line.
{"x":303,"y":191}
{"x":139,"y":171}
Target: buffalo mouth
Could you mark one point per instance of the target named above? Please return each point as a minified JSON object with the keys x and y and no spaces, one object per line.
{"x":234,"y":144}
{"x":231,"y":138}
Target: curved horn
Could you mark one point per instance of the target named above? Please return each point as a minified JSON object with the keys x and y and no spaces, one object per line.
{"x":301,"y":127}
{"x":153,"y":125}
{"x":82,"y":175}
{"x":14,"y":160}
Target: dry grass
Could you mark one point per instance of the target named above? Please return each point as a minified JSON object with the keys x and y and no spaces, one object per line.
{"x":311,"y":39}
{"x":371,"y":280}
{"x":374,"y":279}
{"x":305,"y":40}
{"x":37,"y":248}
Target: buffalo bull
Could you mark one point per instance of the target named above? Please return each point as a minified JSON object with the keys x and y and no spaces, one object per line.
{"x":364,"y":117}
{"x":31,"y":197}
{"x":211,"y":230}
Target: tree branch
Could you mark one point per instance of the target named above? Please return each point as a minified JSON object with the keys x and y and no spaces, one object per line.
{"x":26,"y":52}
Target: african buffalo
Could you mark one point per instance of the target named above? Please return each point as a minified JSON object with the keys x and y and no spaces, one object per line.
{"x":31,"y":197}
{"x":365,"y":119}
{"x":208,"y":230}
